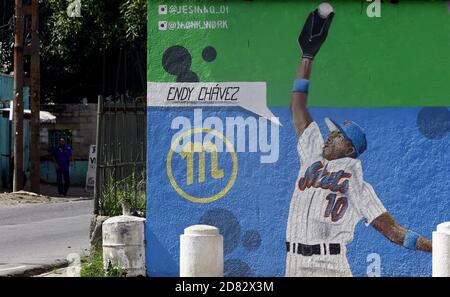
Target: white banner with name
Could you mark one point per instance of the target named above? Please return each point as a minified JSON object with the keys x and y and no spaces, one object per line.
{"x":251,"y":96}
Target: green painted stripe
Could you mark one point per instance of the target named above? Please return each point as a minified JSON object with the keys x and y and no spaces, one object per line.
{"x":400,"y":59}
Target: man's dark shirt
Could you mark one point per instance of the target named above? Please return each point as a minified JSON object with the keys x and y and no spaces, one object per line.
{"x":62,"y":156}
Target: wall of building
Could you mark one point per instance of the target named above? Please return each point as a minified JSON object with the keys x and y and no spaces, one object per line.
{"x":370,"y":70}
{"x":81,"y":121}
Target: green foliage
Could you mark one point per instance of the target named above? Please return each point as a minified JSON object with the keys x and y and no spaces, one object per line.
{"x":130,"y":190}
{"x":113,"y":271}
{"x":133,"y":18}
{"x":6,"y":36}
{"x":6,"y":55}
{"x":93,"y":267}
{"x":101,"y":52}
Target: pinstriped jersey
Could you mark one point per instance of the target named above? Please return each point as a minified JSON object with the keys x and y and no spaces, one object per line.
{"x":330,"y":197}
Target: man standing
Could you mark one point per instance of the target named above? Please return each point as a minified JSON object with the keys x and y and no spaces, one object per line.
{"x":62,"y":156}
{"x":331,"y":195}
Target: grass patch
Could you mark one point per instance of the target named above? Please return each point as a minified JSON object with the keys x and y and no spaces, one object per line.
{"x":130,"y":190}
{"x":93,"y":267}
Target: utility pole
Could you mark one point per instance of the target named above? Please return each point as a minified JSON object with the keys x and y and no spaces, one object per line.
{"x":35,"y":91}
{"x":18,"y":97}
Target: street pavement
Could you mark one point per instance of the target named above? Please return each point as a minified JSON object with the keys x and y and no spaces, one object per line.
{"x":37,"y":235}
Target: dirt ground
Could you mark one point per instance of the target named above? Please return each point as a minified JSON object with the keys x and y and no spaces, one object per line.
{"x":48,"y":196}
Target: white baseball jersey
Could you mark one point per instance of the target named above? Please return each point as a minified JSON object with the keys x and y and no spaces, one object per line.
{"x":330,"y":197}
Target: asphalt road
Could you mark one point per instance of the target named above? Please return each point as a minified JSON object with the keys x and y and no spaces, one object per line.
{"x":33,"y":235}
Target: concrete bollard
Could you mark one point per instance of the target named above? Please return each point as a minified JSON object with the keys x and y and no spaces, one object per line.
{"x":441,"y":250}
{"x":123,"y":244}
{"x":201,"y":252}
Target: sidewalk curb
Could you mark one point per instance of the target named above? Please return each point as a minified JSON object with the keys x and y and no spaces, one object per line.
{"x":79,"y":199}
{"x":38,"y":269}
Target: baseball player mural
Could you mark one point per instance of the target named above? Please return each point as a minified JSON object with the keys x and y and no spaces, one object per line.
{"x":330,"y":195}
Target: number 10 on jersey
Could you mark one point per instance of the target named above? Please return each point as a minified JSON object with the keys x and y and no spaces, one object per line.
{"x":336,"y":207}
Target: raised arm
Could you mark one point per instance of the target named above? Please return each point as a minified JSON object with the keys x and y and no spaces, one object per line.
{"x":300,"y":113}
{"x":386,"y":225}
{"x":313,"y":35}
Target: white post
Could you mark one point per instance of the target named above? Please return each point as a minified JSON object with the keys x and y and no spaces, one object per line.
{"x":201,"y":252}
{"x":123,"y":244}
{"x":441,"y":250}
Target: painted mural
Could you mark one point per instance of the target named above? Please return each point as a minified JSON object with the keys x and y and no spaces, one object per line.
{"x":314,"y":136}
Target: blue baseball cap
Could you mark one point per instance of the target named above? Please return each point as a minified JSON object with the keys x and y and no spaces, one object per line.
{"x":352,"y":132}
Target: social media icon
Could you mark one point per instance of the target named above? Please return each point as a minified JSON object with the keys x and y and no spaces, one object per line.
{"x":162,"y":25}
{"x":162,"y":9}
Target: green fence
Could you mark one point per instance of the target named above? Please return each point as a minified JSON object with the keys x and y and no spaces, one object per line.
{"x":121,"y":155}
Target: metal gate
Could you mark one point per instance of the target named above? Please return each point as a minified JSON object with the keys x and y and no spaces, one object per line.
{"x":121,"y":155}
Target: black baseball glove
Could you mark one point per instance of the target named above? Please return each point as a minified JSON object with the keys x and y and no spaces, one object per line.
{"x":314,"y":33}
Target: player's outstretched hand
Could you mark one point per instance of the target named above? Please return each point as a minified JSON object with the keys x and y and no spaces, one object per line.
{"x":314,"y":33}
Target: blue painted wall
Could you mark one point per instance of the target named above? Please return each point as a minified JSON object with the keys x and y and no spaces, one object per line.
{"x":77,"y":173}
{"x":361,"y":73}
{"x":406,"y":162}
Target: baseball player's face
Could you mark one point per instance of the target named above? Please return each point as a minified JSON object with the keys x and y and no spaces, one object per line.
{"x":337,"y":147}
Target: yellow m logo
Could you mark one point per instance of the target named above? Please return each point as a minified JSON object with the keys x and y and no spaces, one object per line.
{"x":188,"y":152}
